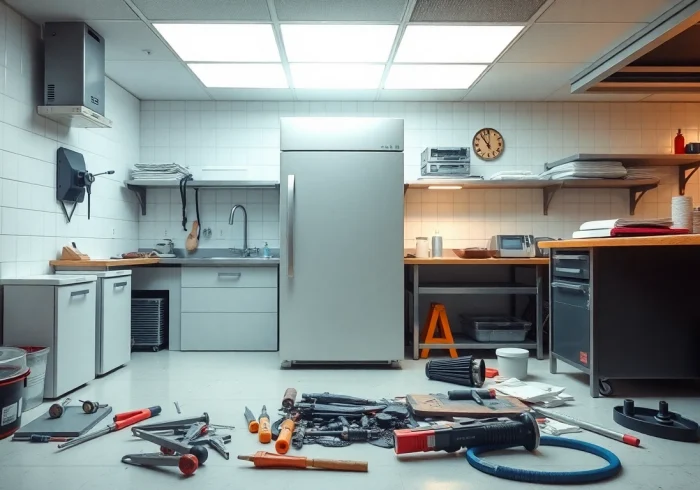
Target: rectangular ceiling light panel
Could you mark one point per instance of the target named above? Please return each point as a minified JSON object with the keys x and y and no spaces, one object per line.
{"x":222,"y":42}
{"x":454,"y":44}
{"x":336,"y":75}
{"x":240,"y":75}
{"x":433,"y":76}
{"x":338,"y":43}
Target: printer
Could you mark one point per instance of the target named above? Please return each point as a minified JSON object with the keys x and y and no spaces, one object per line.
{"x":445,"y":161}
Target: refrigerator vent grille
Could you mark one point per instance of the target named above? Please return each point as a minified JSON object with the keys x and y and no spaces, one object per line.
{"x":148,"y":322}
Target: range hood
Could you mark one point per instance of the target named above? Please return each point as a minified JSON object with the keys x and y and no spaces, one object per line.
{"x":662,"y":58}
{"x":74,"y":75}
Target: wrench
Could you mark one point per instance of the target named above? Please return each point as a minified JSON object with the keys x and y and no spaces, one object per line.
{"x":172,"y":445}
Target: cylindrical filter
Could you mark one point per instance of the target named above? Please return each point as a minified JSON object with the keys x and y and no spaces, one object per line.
{"x":465,"y":371}
{"x":682,"y":212}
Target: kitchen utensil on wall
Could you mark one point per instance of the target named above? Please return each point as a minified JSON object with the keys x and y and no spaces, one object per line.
{"x":682,"y":212}
{"x":192,"y":241}
{"x":422,"y":251}
{"x":437,"y":244}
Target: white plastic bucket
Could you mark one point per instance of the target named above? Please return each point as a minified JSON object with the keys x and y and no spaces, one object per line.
{"x":512,"y":362}
{"x":37,"y":358}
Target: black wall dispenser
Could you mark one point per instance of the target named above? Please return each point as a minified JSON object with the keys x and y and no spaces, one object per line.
{"x":73,"y":179}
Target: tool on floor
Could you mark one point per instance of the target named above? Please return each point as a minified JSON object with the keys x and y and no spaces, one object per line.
{"x":289,"y":398}
{"x":196,"y":430}
{"x":436,"y":324}
{"x":333,"y":398}
{"x":56,"y":410}
{"x":91,"y":407}
{"x":73,"y":423}
{"x":349,"y":434}
{"x":520,"y":431}
{"x":177,"y":408}
{"x":556,"y":477}
{"x":176,"y":423}
{"x":476,"y":394}
{"x":204,"y":440}
{"x":264,"y":431}
{"x":618,"y":436}
{"x":440,"y":405}
{"x":252,"y":422}
{"x":284,"y":439}
{"x":657,"y":423}
{"x":262,"y":459}
{"x":40,"y":438}
{"x":166,"y":444}
{"x":121,"y":420}
{"x":186,"y":463}
{"x":218,"y":444}
{"x":465,"y":371}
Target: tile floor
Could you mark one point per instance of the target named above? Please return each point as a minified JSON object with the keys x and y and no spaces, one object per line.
{"x":223,"y":383}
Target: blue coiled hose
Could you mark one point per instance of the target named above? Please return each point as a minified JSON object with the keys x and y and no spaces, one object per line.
{"x":586,"y":476}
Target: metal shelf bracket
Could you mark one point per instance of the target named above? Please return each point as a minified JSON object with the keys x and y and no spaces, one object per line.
{"x":547,"y":196}
{"x":684,"y":176}
{"x":636,"y":194}
{"x":140,"y":195}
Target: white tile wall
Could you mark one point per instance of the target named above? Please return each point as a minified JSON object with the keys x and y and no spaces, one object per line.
{"x":228,"y":136}
{"x":32,"y":226}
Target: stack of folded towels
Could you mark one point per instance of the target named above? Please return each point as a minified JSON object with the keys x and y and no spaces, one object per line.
{"x":157,"y":171}
{"x":586,"y":170}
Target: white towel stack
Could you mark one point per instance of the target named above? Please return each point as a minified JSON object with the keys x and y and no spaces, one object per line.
{"x":586,"y":170}
{"x":157,"y":171}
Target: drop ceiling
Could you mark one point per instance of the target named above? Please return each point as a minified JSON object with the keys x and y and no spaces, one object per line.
{"x":554,"y":40}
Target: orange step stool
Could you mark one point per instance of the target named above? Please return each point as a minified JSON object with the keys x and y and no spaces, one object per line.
{"x":437,"y":314}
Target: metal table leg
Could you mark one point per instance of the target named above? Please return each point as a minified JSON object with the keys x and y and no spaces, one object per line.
{"x":538,"y":315}
{"x":416,"y":328}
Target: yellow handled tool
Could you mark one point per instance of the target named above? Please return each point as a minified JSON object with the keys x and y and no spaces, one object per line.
{"x":264,"y":430}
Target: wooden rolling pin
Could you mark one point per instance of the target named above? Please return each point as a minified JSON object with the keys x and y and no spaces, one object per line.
{"x":263,"y":459}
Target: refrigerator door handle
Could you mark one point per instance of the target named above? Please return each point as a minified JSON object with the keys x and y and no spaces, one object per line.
{"x":290,"y":226}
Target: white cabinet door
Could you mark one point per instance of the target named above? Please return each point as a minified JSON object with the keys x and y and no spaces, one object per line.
{"x":74,"y":355}
{"x":115,"y":345}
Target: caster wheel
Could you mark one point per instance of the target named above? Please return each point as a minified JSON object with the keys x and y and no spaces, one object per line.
{"x":605,"y":388}
{"x":155,"y":349}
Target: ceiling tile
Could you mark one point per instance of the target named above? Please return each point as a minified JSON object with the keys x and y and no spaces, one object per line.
{"x":564,"y":94}
{"x":606,"y":10}
{"x":475,"y":10}
{"x":251,"y":94}
{"x":335,"y":95}
{"x":568,"y":43}
{"x":127,"y":40}
{"x":53,"y":10}
{"x":156,"y":80}
{"x":523,"y":81}
{"x":673,"y":98}
{"x":422,"y":95}
{"x":217,"y":10}
{"x":340,"y":10}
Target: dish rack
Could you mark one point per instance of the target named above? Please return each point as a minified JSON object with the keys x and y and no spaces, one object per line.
{"x":148,"y":323}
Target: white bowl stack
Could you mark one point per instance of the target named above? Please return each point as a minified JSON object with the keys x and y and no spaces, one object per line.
{"x":682,"y":212}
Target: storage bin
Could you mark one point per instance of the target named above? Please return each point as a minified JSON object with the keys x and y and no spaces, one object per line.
{"x":13,"y":381}
{"x":37,"y":358}
{"x":496,"y":328}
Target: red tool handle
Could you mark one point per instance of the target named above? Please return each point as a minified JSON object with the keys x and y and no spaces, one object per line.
{"x":126,"y":419}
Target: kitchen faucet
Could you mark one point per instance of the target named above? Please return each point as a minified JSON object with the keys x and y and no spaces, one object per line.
{"x":245,"y":225}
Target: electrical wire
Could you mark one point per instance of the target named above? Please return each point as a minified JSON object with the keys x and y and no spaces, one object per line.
{"x":531,"y":476}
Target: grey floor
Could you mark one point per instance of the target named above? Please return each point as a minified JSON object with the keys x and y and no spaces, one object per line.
{"x":223,"y":383}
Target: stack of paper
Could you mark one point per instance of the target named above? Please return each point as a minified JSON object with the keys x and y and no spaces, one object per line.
{"x":156,"y":171}
{"x":586,"y":170}
{"x":626,"y":227}
{"x":542,"y":394}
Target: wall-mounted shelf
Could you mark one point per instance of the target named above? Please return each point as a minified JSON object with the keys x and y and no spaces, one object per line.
{"x":139,"y":187}
{"x":637,"y":187}
{"x":687,"y":164}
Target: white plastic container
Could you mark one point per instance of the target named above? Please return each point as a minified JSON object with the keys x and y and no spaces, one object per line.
{"x":512,"y":362}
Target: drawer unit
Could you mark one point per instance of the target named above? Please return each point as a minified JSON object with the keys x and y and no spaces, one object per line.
{"x":229,"y":331}
{"x":56,"y":312}
{"x":229,"y":300}
{"x":571,"y":265}
{"x":229,"y":277}
{"x":571,"y":321}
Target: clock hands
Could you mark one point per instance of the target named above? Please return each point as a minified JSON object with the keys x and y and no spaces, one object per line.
{"x":483,"y":137}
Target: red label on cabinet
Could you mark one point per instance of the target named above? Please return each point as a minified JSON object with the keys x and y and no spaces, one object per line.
{"x":583,"y":357}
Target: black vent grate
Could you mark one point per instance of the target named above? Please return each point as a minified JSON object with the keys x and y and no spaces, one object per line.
{"x":51,"y":92}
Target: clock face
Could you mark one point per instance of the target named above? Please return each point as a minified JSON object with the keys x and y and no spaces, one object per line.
{"x":488,"y":144}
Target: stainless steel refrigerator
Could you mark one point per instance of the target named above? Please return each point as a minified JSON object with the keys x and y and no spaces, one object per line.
{"x":341,"y":230}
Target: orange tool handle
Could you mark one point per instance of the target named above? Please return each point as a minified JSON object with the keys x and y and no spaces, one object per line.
{"x":285,"y":437}
{"x":264,"y":430}
{"x":253,"y":426}
{"x":338,"y":465}
{"x":126,"y":419}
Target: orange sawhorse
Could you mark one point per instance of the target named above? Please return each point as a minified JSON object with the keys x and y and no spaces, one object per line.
{"x":436,"y":314}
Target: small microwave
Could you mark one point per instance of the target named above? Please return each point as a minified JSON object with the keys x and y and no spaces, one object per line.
{"x":514,"y":246}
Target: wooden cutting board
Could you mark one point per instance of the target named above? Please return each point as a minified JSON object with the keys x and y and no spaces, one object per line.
{"x":439,"y":405}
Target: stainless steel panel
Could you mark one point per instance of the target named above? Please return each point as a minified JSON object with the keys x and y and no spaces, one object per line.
{"x":345,"y":299}
{"x":341,"y":134}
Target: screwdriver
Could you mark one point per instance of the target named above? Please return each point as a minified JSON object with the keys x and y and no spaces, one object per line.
{"x":285,"y":438}
{"x":263,"y":459}
{"x":264,"y":431}
{"x":40,"y":438}
{"x":252,"y":422}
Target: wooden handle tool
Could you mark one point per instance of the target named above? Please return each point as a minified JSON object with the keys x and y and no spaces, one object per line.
{"x":263,"y":459}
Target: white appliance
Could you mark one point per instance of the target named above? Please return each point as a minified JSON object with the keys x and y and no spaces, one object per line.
{"x":341,"y":227}
{"x":55,"y":311}
{"x":513,"y":246}
{"x":112,"y":319}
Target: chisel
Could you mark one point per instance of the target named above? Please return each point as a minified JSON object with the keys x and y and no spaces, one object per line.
{"x":253,"y":424}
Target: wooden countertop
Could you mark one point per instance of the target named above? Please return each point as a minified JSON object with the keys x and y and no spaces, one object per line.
{"x":641,"y":241}
{"x":450,"y":258}
{"x":106,"y":263}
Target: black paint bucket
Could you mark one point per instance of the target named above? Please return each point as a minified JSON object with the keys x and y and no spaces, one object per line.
{"x":11,"y":390}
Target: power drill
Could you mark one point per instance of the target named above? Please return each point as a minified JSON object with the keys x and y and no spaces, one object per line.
{"x":520,"y":431}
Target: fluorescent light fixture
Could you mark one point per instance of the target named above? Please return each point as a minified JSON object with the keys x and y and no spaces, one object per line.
{"x":433,"y":76}
{"x":444,"y":187}
{"x":454,"y":44}
{"x":336,"y":75}
{"x":221,"y":42}
{"x":338,"y":43}
{"x":241,"y":75}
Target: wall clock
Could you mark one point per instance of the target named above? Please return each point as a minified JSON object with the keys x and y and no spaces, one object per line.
{"x":488,"y":144}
